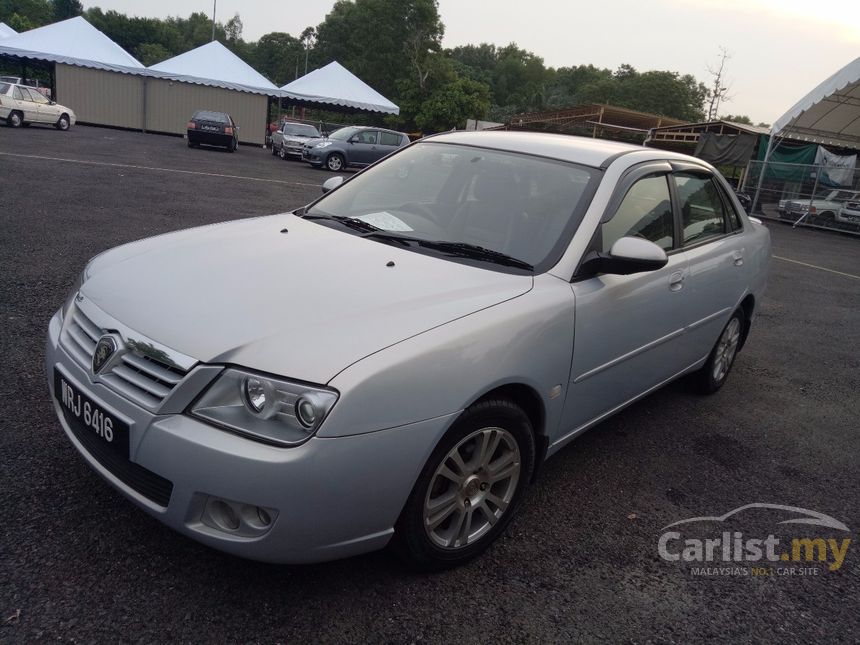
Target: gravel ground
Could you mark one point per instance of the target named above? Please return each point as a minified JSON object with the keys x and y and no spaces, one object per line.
{"x":79,"y":563}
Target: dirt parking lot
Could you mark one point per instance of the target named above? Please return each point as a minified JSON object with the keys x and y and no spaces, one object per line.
{"x":80,"y":563}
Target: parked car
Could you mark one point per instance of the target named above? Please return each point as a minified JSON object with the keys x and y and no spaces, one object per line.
{"x":31,"y":83}
{"x":213,"y":129}
{"x":288,"y":139}
{"x":22,"y":105}
{"x":825,"y":205}
{"x":393,"y":362}
{"x":352,"y":146}
{"x":850,"y":211}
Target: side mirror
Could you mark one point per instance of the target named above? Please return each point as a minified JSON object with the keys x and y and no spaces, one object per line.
{"x":628,"y":255}
{"x":332,"y":183}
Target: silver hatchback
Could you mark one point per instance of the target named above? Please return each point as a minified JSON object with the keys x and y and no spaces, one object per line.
{"x":391,"y":363}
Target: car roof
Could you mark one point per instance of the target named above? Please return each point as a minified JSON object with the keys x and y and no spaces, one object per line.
{"x":564,"y":147}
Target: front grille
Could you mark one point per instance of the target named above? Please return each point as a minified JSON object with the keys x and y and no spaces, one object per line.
{"x":144,"y":481}
{"x":138,"y":377}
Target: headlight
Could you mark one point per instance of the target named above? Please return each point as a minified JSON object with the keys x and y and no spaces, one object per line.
{"x":323,"y":144}
{"x":74,"y":292}
{"x":272,"y":410}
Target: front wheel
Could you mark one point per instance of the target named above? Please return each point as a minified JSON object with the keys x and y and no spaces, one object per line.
{"x":63,"y":122}
{"x":715,"y":371}
{"x":335,"y":162}
{"x":470,"y":487}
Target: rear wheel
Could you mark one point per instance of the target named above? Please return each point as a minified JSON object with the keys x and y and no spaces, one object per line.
{"x":63,"y":122}
{"x":715,"y":371}
{"x":15,"y":119}
{"x":335,"y":162}
{"x":232,"y":146}
{"x":470,"y":487}
{"x":274,"y":149}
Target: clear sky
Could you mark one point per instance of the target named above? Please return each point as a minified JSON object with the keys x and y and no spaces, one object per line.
{"x":780,"y":49}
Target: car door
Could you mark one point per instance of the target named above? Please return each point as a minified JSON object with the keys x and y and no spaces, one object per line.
{"x":388,"y":142}
{"x":627,"y":327}
{"x":362,"y":148}
{"x":713,"y":241}
{"x":24,"y":103}
{"x":46,"y":112}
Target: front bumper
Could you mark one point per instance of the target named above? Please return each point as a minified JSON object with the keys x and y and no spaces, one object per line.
{"x":313,"y":157}
{"x":328,"y":498}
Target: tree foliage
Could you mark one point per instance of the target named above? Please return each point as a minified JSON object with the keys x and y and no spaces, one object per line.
{"x":395,"y":46}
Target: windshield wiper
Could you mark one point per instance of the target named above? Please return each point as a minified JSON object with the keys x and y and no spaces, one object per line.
{"x":475,"y":252}
{"x":365,"y":228}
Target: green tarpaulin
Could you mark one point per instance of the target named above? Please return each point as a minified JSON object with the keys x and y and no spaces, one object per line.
{"x":787,"y":162}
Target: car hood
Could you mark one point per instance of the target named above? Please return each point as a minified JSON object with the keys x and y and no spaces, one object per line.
{"x":291,"y":138}
{"x":303,"y":304}
{"x":312,"y":142}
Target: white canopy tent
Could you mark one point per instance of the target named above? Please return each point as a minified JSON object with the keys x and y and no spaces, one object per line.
{"x":6,"y":31}
{"x":73,"y":42}
{"x":829,"y":115}
{"x":335,"y":86}
{"x":215,"y":65}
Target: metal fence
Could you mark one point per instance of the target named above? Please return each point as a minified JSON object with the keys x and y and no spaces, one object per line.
{"x":814,"y":196}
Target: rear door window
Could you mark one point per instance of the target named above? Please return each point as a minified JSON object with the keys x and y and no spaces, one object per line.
{"x":367,"y":136}
{"x":18,"y":93}
{"x":703,"y":214}
{"x":389,"y":139}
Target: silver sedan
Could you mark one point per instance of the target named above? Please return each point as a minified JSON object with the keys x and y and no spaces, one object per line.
{"x":393,"y":362}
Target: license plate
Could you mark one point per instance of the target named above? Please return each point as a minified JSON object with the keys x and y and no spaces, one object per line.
{"x":87,"y":416}
{"x":211,"y":128}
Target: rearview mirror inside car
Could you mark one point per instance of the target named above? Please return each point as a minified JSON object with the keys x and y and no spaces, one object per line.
{"x":628,"y":255}
{"x":332,"y":183}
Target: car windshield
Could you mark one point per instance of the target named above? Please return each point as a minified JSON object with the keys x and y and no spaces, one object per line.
{"x":344,"y":133}
{"x":480,"y":205}
{"x":300,"y":130}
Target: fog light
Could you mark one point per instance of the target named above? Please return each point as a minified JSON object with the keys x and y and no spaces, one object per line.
{"x":255,"y":394}
{"x":224,"y":515}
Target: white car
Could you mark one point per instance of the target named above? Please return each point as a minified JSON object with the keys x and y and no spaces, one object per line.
{"x":393,"y":362}
{"x":826,"y":205}
{"x":849,"y":213}
{"x":22,"y":105}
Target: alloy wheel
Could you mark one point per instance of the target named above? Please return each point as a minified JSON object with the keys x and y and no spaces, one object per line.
{"x":472,"y":488}
{"x":727,"y":348}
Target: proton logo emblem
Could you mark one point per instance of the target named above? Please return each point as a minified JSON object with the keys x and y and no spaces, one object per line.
{"x":105,"y":348}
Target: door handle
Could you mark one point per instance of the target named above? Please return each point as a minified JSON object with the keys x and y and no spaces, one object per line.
{"x":676,"y":281}
{"x":738,"y":258}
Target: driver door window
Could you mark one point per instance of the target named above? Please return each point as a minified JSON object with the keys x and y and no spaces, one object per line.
{"x":645,"y":212}
{"x":703,"y":214}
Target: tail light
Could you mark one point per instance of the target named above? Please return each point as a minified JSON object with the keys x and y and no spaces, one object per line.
{"x":228,"y":130}
{"x":192,"y":125}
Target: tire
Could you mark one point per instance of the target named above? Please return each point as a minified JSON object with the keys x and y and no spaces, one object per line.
{"x":15,"y":120}
{"x":234,"y":146}
{"x":282,"y":154}
{"x":335,"y":162}
{"x":713,"y":374}
{"x":479,"y":492}
{"x":190,"y":144}
{"x":63,"y":123}
{"x":274,"y":150}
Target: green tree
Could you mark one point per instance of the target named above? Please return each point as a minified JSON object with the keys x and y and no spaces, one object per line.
{"x":381,"y":41}
{"x":27,"y":14}
{"x":151,"y":53}
{"x":64,"y":9}
{"x":737,"y":118}
{"x":445,"y":100}
{"x":279,"y":57}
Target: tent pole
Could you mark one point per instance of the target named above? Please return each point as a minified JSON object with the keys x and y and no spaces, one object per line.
{"x":811,"y":198}
{"x":761,"y":172}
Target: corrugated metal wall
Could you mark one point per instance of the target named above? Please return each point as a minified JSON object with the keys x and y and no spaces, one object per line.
{"x":104,"y":98}
{"x":111,"y":98}
{"x":170,"y":104}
